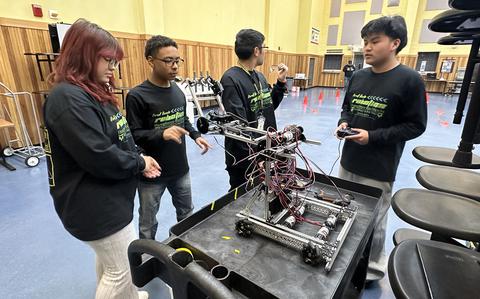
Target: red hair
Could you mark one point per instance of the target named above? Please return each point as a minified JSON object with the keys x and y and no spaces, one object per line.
{"x":84,"y":44}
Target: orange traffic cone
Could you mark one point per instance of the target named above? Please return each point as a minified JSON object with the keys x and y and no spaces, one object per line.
{"x":337,"y":94}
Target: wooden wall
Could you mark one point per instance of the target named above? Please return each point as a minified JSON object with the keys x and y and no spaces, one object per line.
{"x":20,"y":73}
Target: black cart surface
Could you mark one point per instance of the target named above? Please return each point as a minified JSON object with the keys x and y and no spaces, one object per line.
{"x":257,"y":267}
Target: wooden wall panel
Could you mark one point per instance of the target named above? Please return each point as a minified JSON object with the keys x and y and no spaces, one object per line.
{"x":408,"y":60}
{"x":20,"y":73}
{"x":440,"y":86}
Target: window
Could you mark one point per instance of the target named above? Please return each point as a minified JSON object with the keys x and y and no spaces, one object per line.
{"x":437,"y":5}
{"x":393,"y":3}
{"x":353,"y":21}
{"x":376,"y":7}
{"x":332,"y":35}
{"x":427,"y":35}
{"x":335,"y":8}
{"x":427,"y":61}
{"x":332,"y":62}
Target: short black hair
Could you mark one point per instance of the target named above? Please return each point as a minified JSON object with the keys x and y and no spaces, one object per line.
{"x":246,"y":41}
{"x":393,"y":27}
{"x":157,"y":42}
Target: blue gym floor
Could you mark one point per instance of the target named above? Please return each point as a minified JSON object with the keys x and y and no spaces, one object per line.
{"x":41,"y":260}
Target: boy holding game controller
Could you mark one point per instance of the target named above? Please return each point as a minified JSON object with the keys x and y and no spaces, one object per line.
{"x":384,"y":106}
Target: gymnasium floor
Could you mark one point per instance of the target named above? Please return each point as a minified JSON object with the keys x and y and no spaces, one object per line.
{"x":41,"y":260}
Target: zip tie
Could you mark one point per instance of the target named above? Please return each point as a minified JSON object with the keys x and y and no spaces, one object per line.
{"x":237,"y":251}
{"x":235,"y":196}
{"x":212,"y":206}
{"x":226,"y":237}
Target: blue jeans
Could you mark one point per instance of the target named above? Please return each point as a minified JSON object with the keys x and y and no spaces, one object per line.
{"x":150,"y":195}
{"x":346,"y":81}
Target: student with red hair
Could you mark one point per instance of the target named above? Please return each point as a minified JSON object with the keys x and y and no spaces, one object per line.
{"x":93,"y":163}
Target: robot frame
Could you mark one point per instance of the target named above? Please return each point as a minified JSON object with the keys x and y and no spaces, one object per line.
{"x":284,"y":191}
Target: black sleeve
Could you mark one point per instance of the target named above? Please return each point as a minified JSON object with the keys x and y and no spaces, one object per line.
{"x":81,"y":132}
{"x":135,"y":109}
{"x":233,"y":103}
{"x":232,"y":99}
{"x":277,"y":93}
{"x":344,"y":69}
{"x":414,"y":118}
{"x":346,"y":114}
{"x":194,"y":134}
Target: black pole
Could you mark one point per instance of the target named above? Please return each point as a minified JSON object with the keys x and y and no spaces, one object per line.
{"x":467,"y":79}
{"x":463,"y":156}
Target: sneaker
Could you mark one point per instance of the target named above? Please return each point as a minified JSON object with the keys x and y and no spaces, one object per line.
{"x":142,"y":295}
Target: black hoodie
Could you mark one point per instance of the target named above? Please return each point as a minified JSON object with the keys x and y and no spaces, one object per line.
{"x":92,"y":163}
{"x":391,"y":106}
{"x":248,"y":95}
{"x":151,"y":110}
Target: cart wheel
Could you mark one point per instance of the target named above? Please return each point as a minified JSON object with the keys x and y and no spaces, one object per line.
{"x":32,"y":161}
{"x":244,"y":228}
{"x":311,"y":254}
{"x":7,"y":152}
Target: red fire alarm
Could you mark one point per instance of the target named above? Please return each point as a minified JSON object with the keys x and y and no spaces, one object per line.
{"x":37,"y":10}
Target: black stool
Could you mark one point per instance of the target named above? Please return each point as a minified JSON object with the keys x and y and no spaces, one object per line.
{"x":458,"y":39}
{"x":450,"y":180}
{"x":464,"y":22}
{"x":464,"y":4}
{"x":442,"y":156}
{"x":446,"y":215}
{"x":403,"y":234}
{"x":428,"y":269}
{"x":454,"y":20}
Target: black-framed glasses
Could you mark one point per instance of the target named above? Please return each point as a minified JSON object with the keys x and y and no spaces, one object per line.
{"x":112,"y":63}
{"x":170,"y":61}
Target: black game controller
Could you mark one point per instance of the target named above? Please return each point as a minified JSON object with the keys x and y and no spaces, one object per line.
{"x":346,"y":132}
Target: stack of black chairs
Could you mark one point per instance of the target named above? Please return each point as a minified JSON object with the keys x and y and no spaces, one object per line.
{"x":443,"y":260}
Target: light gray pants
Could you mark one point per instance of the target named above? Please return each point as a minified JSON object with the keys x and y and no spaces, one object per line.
{"x":377,"y":263}
{"x":113,"y":270}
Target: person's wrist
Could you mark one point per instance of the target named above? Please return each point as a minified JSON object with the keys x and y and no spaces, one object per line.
{"x":143,"y":163}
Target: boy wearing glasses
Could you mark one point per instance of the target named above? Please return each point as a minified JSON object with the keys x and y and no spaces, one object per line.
{"x":248,"y":95}
{"x":156,"y":113}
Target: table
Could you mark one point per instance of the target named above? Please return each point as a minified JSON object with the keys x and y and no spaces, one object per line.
{"x":300,"y":82}
{"x":435,"y":85}
{"x":452,"y":86}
